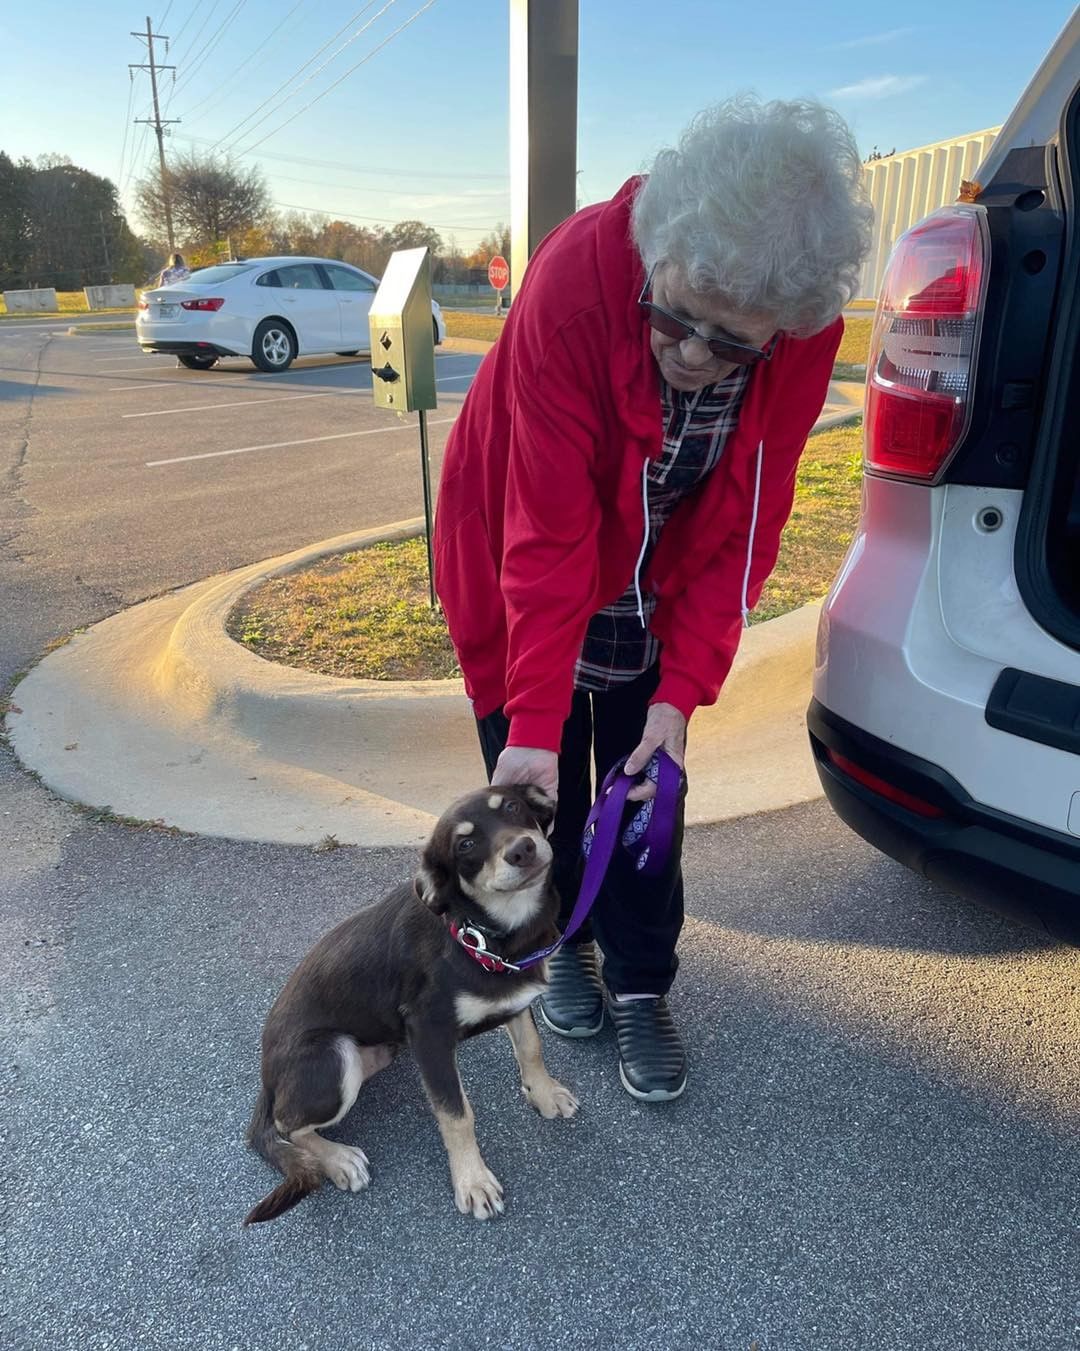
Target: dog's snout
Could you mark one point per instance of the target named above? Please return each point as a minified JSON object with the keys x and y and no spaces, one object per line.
{"x":522,"y":852}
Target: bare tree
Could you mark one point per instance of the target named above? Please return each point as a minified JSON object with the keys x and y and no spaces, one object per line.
{"x":211,"y":199}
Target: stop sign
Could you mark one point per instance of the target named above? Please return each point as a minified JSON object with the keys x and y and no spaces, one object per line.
{"x":499,"y":273}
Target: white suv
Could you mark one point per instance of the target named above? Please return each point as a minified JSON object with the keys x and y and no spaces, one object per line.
{"x":946,"y":713}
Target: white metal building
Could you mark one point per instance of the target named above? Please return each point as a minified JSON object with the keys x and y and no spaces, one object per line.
{"x":909,"y":185}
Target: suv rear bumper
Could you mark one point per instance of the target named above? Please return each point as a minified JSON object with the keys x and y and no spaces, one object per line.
{"x":1022,"y":871}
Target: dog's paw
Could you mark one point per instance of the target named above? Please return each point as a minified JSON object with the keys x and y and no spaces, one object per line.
{"x":479,"y":1193}
{"x":348,"y":1168}
{"x":551,"y":1099}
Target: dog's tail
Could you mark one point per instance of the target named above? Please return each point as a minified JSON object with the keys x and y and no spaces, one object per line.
{"x":303,"y":1174}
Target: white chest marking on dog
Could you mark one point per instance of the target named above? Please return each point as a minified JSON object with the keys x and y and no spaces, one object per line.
{"x":495,"y":801}
{"x":471,"y":1009}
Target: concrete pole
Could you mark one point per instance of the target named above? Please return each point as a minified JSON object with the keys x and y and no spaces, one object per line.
{"x":543,"y":123}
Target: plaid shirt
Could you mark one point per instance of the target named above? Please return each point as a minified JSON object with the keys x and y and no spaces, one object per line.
{"x":617,"y":646}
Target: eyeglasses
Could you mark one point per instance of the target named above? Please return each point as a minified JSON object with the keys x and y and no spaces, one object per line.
{"x":725,"y":349}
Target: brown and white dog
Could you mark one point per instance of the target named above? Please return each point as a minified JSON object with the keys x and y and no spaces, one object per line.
{"x":394,"y":975}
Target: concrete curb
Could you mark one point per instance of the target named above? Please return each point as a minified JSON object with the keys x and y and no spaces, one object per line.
{"x":157,"y":714}
{"x":74,"y":330}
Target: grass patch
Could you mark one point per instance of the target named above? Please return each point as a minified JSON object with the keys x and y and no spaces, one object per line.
{"x":847,"y":371}
{"x":827,"y":494}
{"x":855,"y":345}
{"x":362,"y":615}
{"x":483,"y":326}
{"x":365,"y":615}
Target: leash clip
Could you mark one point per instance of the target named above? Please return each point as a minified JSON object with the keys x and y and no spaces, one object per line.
{"x":475,"y":944}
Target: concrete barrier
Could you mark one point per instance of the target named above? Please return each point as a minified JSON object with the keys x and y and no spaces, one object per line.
{"x":109,"y":297}
{"x":31,"y":302}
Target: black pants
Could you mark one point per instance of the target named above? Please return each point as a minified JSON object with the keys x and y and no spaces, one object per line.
{"x":636,"y":920}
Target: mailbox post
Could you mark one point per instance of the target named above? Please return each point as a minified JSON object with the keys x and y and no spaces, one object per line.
{"x":403,"y":357}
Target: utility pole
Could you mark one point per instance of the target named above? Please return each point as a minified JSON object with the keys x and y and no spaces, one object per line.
{"x":156,"y":121}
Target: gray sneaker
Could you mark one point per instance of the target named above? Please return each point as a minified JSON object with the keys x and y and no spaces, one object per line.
{"x":573,"y":1003}
{"x":652,"y":1058}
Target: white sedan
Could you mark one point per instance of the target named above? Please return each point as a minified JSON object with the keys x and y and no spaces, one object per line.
{"x":269,"y":309}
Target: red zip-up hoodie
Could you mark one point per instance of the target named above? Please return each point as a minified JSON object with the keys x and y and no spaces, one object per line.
{"x":541,"y":512}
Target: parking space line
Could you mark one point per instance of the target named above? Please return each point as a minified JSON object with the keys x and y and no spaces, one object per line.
{"x":195,"y":382}
{"x":445,"y":380}
{"x":187,"y":384}
{"x":92,"y":375}
{"x":305,"y":441}
{"x":148,"y":364}
{"x":240,"y":403}
{"x":151,"y":384}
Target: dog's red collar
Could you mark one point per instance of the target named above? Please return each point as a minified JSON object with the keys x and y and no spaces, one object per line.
{"x":475,"y":944}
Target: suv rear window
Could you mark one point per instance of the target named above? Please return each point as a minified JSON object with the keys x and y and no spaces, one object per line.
{"x":214,"y":276}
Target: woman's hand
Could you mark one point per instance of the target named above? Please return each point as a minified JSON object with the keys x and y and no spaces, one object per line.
{"x":665,"y":728}
{"x":526,"y":764}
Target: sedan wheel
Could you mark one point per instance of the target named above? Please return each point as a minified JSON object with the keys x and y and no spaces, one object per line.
{"x":274,"y":346}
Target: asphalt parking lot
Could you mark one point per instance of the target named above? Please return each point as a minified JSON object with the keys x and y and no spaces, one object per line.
{"x":265,"y":462}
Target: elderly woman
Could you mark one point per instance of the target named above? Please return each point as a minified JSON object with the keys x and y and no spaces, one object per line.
{"x":614,"y":490}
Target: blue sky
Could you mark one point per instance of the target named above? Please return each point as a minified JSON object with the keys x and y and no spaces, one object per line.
{"x":419,"y":129}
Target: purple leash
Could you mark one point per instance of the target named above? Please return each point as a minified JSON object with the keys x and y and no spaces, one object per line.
{"x":648,"y":838}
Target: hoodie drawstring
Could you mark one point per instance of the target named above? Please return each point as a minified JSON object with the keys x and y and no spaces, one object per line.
{"x":644,"y":543}
{"x":750,"y":542}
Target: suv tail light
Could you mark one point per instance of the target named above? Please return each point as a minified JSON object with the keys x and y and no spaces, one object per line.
{"x":210,"y":303}
{"x":925,"y":339}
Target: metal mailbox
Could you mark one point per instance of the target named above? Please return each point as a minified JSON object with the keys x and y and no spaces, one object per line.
{"x":402,"y":335}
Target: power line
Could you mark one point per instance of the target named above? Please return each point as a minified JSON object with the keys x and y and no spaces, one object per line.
{"x":199,"y":61}
{"x":127,"y":129}
{"x":194,"y":40}
{"x":237,"y":69}
{"x":183,"y":26}
{"x":319,"y":69}
{"x":362,"y":10}
{"x":349,"y":168}
{"x":136,"y":153}
{"x":161,"y":21}
{"x":363,"y":187}
{"x":381,"y":220}
{"x":374,"y":51}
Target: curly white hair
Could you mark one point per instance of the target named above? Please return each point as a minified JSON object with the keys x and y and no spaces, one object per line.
{"x":764,"y":203}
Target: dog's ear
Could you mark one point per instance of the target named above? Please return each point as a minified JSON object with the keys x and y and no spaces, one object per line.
{"x":431,"y":885}
{"x":543,"y":807}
